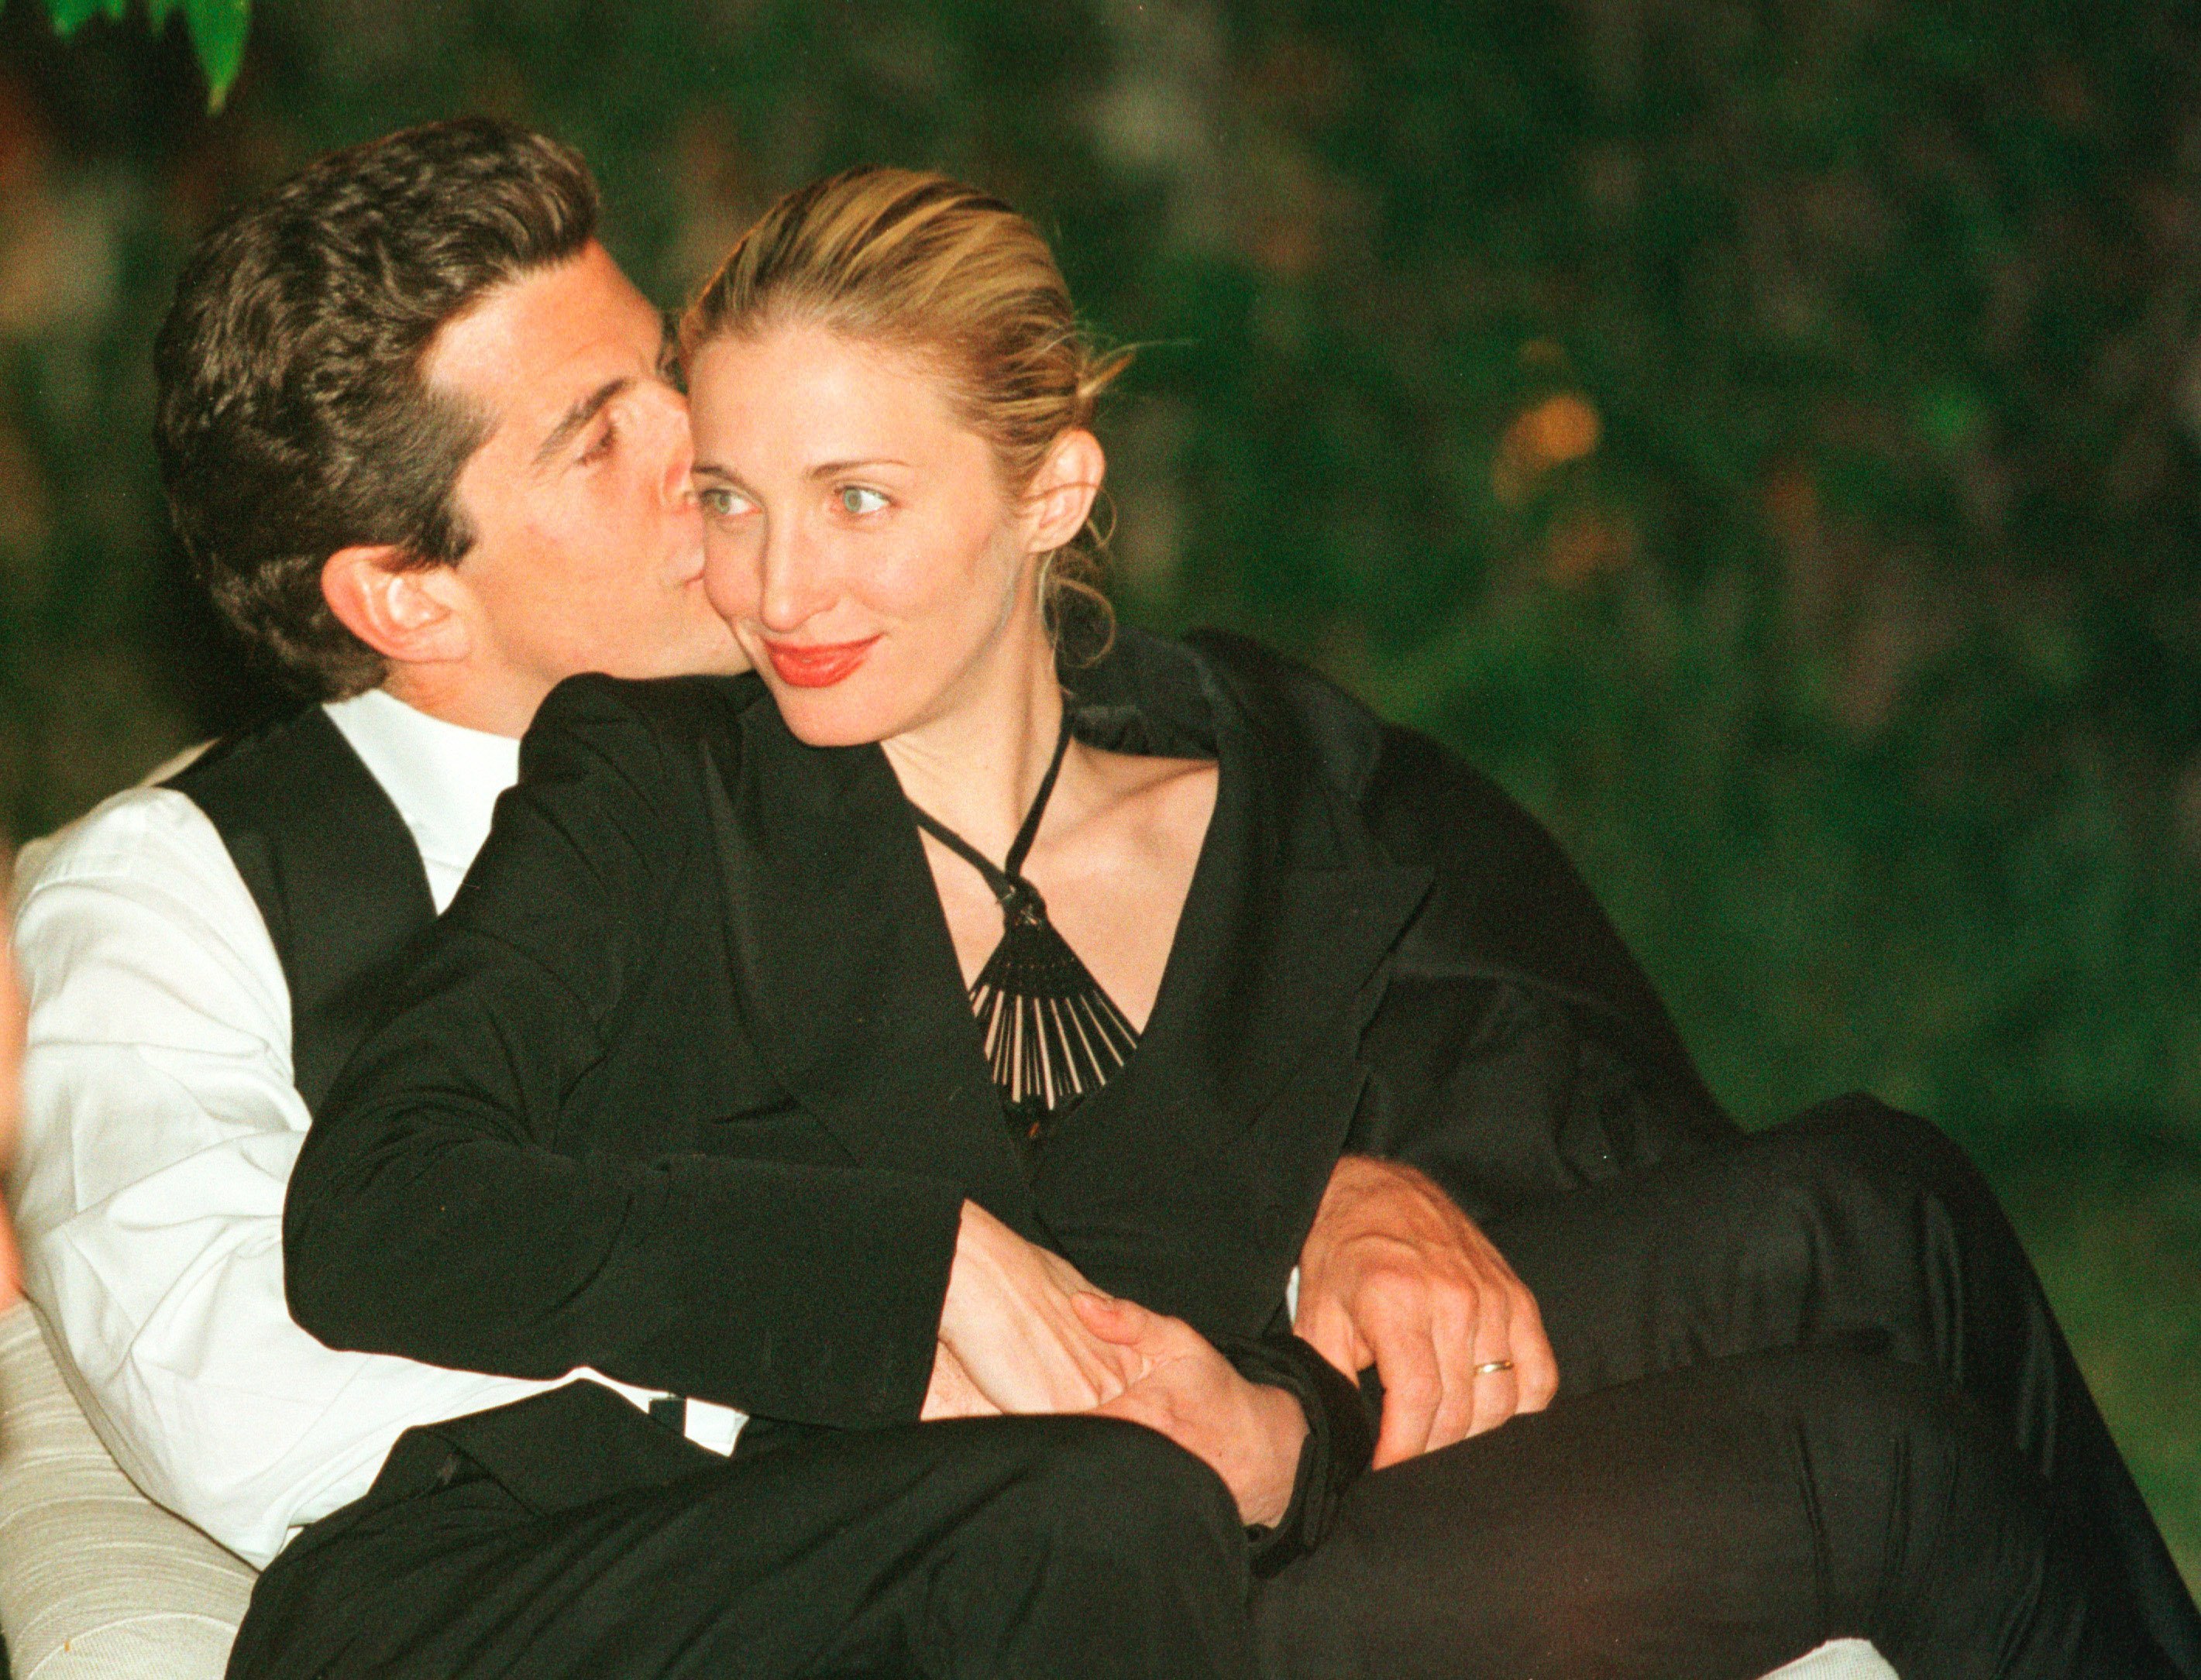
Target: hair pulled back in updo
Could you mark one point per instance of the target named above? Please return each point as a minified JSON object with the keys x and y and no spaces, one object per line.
{"x":918,"y":262}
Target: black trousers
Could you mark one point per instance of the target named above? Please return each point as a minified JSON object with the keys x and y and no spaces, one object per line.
{"x":1712,"y":1522}
{"x":1808,"y":1389}
{"x":1709,"y":1523}
{"x":1021,"y":1546}
{"x":1853,"y":1225}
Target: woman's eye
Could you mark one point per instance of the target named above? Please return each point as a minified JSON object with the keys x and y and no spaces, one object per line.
{"x":721,"y":503}
{"x":855,"y":499}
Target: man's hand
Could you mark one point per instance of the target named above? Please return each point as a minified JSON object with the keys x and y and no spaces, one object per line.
{"x":1248,"y":1433}
{"x":1010,"y":1335}
{"x":1394,"y":1275}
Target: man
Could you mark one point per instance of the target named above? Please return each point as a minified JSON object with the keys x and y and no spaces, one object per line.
{"x":361,"y":522}
{"x":422,"y":447}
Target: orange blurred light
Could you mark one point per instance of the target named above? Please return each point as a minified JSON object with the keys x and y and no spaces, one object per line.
{"x":1560,"y":429}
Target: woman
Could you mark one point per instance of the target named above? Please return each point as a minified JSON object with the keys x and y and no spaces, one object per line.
{"x":804,"y":1043}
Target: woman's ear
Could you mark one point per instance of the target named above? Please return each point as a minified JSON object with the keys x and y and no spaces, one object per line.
{"x":409,"y":613}
{"x":1062,"y":490}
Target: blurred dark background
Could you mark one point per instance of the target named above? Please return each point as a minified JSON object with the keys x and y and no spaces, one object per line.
{"x":1764,"y":436}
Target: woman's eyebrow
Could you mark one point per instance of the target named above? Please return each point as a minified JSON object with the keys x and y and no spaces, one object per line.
{"x":828,"y":469}
{"x":579,"y":415}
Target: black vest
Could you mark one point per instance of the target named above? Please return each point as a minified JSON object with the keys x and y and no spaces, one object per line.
{"x":333,"y":868}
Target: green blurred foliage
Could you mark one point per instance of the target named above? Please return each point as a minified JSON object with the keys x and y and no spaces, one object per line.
{"x":1760,"y":438}
{"x":1762,"y":435}
{"x":217,"y":29}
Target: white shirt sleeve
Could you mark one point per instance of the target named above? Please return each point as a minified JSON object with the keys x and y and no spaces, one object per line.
{"x":159,"y":1128}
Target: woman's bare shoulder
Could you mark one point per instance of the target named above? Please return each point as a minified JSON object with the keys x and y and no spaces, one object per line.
{"x":1153,"y":805}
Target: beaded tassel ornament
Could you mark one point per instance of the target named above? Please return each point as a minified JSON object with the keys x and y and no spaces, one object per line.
{"x":1051,"y":1034}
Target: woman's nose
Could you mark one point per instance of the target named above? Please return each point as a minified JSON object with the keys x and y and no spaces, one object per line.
{"x":793,"y":587}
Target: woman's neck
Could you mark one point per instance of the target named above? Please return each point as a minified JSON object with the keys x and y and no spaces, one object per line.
{"x":976,"y":763}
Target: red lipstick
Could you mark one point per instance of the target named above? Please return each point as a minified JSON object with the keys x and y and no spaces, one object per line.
{"x":816,"y":665}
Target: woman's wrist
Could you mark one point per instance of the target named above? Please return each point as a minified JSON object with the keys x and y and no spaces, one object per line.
{"x":1280,"y":1426}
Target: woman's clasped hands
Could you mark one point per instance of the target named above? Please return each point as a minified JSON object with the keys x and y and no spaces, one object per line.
{"x":1021,"y":1330}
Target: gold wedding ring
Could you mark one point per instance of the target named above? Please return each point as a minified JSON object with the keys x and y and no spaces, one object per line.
{"x":1492,"y":1367}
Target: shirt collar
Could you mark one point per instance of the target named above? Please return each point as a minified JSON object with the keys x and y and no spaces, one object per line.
{"x":443,"y":778}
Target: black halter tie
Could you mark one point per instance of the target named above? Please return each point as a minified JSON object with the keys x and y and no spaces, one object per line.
{"x":1051,"y":1034}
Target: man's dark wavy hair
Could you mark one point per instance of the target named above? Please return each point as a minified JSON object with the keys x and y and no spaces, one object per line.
{"x":293,"y":418}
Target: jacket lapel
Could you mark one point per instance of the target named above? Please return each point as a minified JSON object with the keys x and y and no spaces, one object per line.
{"x":1247,"y":1079}
{"x":843,"y":970}
{"x":1189,"y":1181}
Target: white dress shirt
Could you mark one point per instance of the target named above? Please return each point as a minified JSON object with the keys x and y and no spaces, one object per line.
{"x":160,"y":1127}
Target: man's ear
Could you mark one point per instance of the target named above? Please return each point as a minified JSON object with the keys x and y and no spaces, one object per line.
{"x":1062,"y":490}
{"x":409,"y":613}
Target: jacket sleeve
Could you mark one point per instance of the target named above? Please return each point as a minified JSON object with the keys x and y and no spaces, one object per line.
{"x":1503,"y":1093}
{"x":441,"y":1207}
{"x":1513,"y":1046}
{"x":1516,"y":1047}
{"x":1340,"y":1445}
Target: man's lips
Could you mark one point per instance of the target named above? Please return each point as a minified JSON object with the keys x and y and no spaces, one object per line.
{"x":816,"y":664}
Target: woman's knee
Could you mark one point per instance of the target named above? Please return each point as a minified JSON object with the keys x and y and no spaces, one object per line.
{"x":1103,"y":1548}
{"x":1101,"y":1483}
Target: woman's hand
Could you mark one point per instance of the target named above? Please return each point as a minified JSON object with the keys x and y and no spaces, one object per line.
{"x":1011,"y":1335}
{"x":1248,"y":1433}
{"x":951,"y":1393}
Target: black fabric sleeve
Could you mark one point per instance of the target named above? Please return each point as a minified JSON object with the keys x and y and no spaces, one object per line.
{"x":443,"y":1210}
{"x":1514,"y":1046}
{"x":1503,"y":1093}
{"x":1340,"y":1441}
{"x":1508,"y":897}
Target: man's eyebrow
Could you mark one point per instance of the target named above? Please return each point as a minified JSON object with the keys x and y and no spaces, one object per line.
{"x":579,"y":415}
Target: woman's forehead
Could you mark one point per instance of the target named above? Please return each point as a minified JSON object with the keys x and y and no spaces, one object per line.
{"x":819,"y":393}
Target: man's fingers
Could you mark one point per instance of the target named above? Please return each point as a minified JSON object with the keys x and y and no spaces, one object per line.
{"x":1497,"y":1393}
{"x":1413,"y":1383}
{"x":1154,"y":1338}
{"x":1409,"y":1409}
{"x":1496,"y":1398}
{"x":1326,"y":1327}
{"x":1455,"y":1325}
{"x":1393,"y":1272}
{"x":1130,"y":1406}
{"x":1533,"y":1362}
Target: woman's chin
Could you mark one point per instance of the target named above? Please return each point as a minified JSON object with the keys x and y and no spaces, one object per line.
{"x":827,"y":718}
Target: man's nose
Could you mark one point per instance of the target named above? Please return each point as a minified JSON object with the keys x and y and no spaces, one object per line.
{"x":676,"y":488}
{"x":677,"y":445}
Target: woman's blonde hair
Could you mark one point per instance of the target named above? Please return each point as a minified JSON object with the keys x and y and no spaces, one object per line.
{"x":918,"y":262}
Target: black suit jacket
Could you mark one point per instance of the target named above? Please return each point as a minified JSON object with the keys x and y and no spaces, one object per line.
{"x":688,"y":1089}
